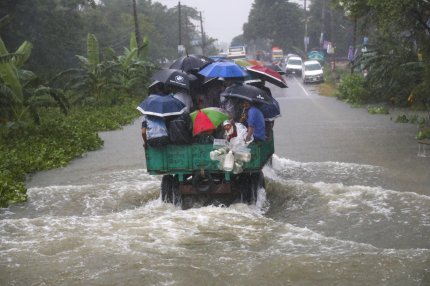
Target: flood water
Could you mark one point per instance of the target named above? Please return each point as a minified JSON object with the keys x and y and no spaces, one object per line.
{"x":341,"y":207}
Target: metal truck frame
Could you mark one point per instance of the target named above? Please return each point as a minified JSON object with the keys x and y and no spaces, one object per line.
{"x":188,"y":171}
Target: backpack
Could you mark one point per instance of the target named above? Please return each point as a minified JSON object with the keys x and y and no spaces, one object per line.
{"x":180,"y":129}
{"x":156,"y":132}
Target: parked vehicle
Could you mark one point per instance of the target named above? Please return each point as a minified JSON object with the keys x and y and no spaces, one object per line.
{"x":237,"y":52}
{"x":294,"y":66}
{"x":312,"y":71}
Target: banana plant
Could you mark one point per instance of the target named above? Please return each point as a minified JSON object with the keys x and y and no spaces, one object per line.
{"x":9,"y":73}
{"x":21,"y":91}
{"x":93,"y":79}
{"x":135,"y":71}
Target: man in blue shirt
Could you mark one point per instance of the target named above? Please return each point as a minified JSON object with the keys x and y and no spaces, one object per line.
{"x":255,"y":122}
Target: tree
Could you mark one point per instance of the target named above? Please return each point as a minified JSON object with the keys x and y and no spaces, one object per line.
{"x":54,"y":27}
{"x":401,"y":33}
{"x":277,"y":21}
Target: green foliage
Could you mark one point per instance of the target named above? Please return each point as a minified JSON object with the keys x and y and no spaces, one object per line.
{"x":392,"y":76}
{"x":412,"y":118}
{"x":101,"y":81}
{"x":352,"y":89}
{"x":398,"y":63}
{"x":21,"y":91}
{"x":278,"y":21}
{"x":377,"y":110}
{"x":423,"y":134}
{"x":27,"y":148}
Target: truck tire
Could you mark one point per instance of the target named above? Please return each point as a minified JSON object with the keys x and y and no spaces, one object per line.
{"x":257,"y":182}
{"x":203,"y":183}
{"x":249,"y":183}
{"x":170,"y":189}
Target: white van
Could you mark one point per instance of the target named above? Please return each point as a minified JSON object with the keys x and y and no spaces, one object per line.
{"x":293,"y":65}
{"x":312,"y":71}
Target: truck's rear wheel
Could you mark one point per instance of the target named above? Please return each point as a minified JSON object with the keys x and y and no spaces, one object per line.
{"x":257,"y":182}
{"x":204,"y":183}
{"x":249,"y":185}
{"x":170,"y":189}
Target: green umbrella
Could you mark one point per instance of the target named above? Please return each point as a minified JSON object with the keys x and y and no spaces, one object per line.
{"x":215,"y":114}
{"x":243,"y":63}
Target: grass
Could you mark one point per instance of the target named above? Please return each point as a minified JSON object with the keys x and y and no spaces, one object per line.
{"x":326,"y":89}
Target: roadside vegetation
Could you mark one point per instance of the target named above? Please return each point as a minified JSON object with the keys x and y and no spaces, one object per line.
{"x":46,"y":127}
{"x":69,"y":69}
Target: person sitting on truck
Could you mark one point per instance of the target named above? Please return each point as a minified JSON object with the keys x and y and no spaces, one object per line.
{"x":253,"y":118}
{"x":154,"y":131}
{"x":234,"y":133}
{"x":211,"y":93}
{"x":182,"y":95}
{"x":231,"y":104}
{"x":269,"y":123}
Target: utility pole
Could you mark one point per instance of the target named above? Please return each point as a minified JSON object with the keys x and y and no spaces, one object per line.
{"x":305,"y":39}
{"x":136,"y":27}
{"x":203,"y":35}
{"x":332,"y":40}
{"x":322,"y":25}
{"x":354,"y":38}
{"x":179,"y":23}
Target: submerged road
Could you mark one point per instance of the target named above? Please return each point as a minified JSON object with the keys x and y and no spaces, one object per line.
{"x":346,"y":202}
{"x":315,"y":128}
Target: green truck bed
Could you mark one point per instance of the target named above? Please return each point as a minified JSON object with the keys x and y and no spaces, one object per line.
{"x":182,"y":159}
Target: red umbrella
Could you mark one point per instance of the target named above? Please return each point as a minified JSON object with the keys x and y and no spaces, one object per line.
{"x":202,"y":123}
{"x":268,"y":74}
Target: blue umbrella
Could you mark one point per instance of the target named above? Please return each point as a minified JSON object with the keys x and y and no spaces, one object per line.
{"x":161,"y":106}
{"x":223,"y":69}
{"x":270,"y":110}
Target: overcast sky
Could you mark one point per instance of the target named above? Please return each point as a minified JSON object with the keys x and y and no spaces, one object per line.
{"x":222,"y":19}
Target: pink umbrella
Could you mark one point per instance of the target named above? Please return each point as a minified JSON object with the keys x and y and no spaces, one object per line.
{"x":268,"y":74}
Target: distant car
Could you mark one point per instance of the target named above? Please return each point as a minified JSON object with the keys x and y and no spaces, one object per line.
{"x":293,"y":66}
{"x":312,"y":71}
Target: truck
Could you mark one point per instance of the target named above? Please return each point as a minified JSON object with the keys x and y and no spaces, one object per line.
{"x":189,"y":174}
{"x":237,"y":52}
{"x":277,"y":54}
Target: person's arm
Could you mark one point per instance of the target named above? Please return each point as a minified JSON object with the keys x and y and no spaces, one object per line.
{"x":249,"y":133}
{"x":144,"y":137}
{"x":143,"y":131}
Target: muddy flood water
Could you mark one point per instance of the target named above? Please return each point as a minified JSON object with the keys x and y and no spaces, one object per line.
{"x":346,"y":202}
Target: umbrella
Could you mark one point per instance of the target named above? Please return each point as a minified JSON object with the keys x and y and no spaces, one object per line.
{"x":202,"y":123}
{"x":172,"y":77}
{"x":255,"y":62}
{"x":270,"y":111}
{"x":161,"y":106}
{"x":190,"y":62}
{"x":268,"y":74}
{"x":215,"y":114}
{"x":223,"y":69}
{"x":243,"y":62}
{"x":247,"y":92}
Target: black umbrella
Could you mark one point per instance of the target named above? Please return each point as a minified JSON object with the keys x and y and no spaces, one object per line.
{"x":247,"y":92}
{"x":190,"y":62}
{"x":172,"y":77}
